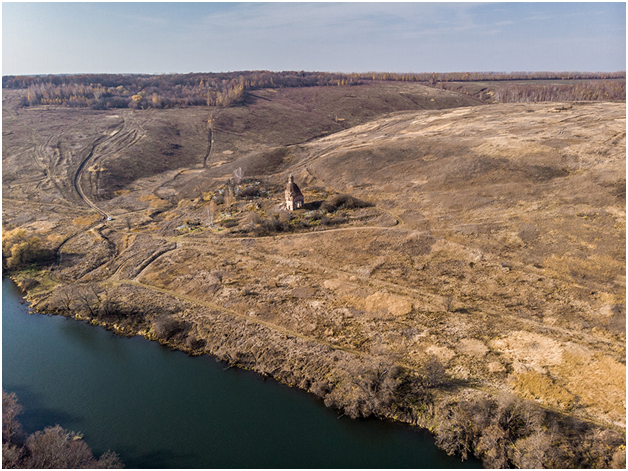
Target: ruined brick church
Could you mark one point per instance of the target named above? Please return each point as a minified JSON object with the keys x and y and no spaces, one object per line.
{"x":294,"y":197}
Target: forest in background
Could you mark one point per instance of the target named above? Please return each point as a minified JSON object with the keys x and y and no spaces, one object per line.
{"x":136,"y":91}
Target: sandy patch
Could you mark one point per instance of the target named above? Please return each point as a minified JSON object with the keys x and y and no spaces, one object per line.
{"x":444,"y":354}
{"x":529,"y":348}
{"x":40,"y":226}
{"x":472,"y":347}
{"x":290,"y":280}
{"x":395,"y":305}
{"x":339,"y":285}
{"x":496,"y":367}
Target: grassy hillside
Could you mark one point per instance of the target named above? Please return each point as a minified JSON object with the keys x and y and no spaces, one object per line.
{"x":457,"y":266}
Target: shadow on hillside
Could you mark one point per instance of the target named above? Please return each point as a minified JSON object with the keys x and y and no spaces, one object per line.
{"x":312,"y":206}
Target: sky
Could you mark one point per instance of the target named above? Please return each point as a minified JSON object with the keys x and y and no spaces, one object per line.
{"x":55,"y":38}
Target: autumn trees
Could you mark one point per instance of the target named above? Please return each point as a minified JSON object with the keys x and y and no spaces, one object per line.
{"x":20,"y":249}
{"x":103,"y":91}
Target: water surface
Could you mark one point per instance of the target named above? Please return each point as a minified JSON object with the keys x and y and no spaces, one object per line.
{"x":163,"y":409}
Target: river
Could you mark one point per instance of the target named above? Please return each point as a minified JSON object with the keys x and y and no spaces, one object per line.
{"x":159,"y":408}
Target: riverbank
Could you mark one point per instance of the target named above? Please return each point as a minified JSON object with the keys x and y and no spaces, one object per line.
{"x":464,"y":420}
{"x":159,"y":408}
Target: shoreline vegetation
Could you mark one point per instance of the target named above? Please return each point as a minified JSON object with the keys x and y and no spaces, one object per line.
{"x":52,"y":448}
{"x":456,"y":267}
{"x":499,"y":429}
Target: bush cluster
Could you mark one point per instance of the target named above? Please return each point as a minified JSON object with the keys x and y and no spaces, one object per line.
{"x":338,"y":202}
{"x":52,"y":448}
{"x":507,"y":432}
{"x":19,"y":249}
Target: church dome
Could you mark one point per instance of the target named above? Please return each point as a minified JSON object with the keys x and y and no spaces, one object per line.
{"x":292,"y":188}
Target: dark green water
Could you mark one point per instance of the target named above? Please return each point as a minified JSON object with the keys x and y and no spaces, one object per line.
{"x":162,"y":409}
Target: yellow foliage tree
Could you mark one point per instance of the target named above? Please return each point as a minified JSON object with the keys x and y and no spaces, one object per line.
{"x":19,"y":249}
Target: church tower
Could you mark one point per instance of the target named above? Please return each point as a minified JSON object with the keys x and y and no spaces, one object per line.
{"x":294,"y":197}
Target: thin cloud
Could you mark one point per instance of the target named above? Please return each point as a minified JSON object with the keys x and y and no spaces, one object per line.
{"x":539,"y":17}
{"x":492,"y":32}
{"x":342,"y":19}
{"x":152,"y":20}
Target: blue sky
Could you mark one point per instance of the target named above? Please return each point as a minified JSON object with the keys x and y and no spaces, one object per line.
{"x":39,"y":38}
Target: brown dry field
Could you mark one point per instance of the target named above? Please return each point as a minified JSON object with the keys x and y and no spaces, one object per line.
{"x":495,"y":240}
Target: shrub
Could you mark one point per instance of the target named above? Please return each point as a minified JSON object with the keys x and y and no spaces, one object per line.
{"x":336,"y":202}
{"x":167,"y":327}
{"x":194,"y":343}
{"x":249,"y":192}
{"x":432,"y":372}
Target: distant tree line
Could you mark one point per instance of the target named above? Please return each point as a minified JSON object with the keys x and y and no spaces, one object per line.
{"x":599,"y":90}
{"x":434,"y":77}
{"x":52,"y":448}
{"x":523,"y":87}
{"x":104,"y":91}
{"x":538,"y":91}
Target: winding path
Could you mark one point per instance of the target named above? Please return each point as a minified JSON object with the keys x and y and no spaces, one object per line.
{"x":77,"y":180}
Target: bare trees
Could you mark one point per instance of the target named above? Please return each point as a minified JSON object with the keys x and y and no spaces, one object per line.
{"x":433,"y":78}
{"x":506,"y":431}
{"x":166,"y":327}
{"x":364,"y":386}
{"x":102,"y":91}
{"x":55,"y":448}
{"x":88,"y":300}
{"x":238,"y":175}
{"x":52,"y":448}
{"x":11,"y":428}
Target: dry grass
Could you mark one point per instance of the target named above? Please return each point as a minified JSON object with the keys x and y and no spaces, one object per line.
{"x":597,"y":380}
{"x":540,"y":387}
{"x":86,"y":220}
{"x":496,"y":242}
